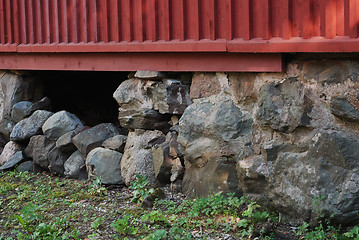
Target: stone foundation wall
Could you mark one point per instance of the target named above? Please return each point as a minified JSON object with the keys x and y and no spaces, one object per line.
{"x":284,"y":139}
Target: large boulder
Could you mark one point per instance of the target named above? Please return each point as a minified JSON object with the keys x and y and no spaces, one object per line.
{"x":15,"y":88}
{"x":104,"y":163}
{"x":326,"y":174}
{"x":75,"y":166}
{"x":61,"y":123}
{"x":139,"y":118}
{"x":92,"y":138}
{"x":116,"y":143}
{"x":65,"y":144}
{"x":29,"y":127}
{"x":38,"y":149}
{"x":137,"y":157}
{"x":284,"y":106}
{"x":215,"y":134}
{"x":9,"y":150}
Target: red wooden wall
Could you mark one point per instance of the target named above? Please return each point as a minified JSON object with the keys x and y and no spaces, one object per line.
{"x":242,"y":26}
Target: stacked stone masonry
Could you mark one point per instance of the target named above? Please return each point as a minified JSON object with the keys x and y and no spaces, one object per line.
{"x":282,"y":139}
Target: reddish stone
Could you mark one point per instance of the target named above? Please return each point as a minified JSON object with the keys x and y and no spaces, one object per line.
{"x":204,"y":85}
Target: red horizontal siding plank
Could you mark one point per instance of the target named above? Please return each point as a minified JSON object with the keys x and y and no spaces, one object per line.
{"x":227,"y":62}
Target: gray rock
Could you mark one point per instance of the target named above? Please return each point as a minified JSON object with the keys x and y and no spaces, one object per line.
{"x":29,"y":127}
{"x":116,"y":143}
{"x":19,"y":110}
{"x":38,"y":149}
{"x":284,"y":107}
{"x":43,"y":104}
{"x":25,"y":166}
{"x":329,"y":168}
{"x":92,"y":138}
{"x":75,"y":166}
{"x":342,"y":108}
{"x":61,"y":123}
{"x":139,"y":119}
{"x":15,"y":88}
{"x":150,"y":75}
{"x":9,"y":150}
{"x":166,"y":160}
{"x":137,"y":157}
{"x":57,"y":159}
{"x":65,"y":144}
{"x":15,"y":159}
{"x":104,"y":163}
{"x":214,"y":134}
{"x":171,"y":97}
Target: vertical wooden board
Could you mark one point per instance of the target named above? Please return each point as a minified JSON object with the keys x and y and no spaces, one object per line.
{"x":306,"y":26}
{"x":330,"y":19}
{"x":177,"y":23}
{"x":113,"y":21}
{"x":150,"y":20}
{"x":284,"y":19}
{"x":72,"y":14}
{"x":242,"y":24}
{"x":63,"y":21}
{"x":353,"y":18}
{"x":22,"y":13}
{"x":207,"y":19}
{"x":38,"y":23}
{"x":296,"y":17}
{"x":54,"y":14}
{"x":82,"y":20}
{"x":260,"y":19}
{"x":29,"y":21}
{"x":2,"y":23}
{"x":92,"y":21}
{"x":15,"y":21}
{"x":191,"y":11}
{"x":340,"y":18}
{"x":46,"y":20}
{"x":102,"y":20}
{"x":137,"y":21}
{"x":8,"y":32}
{"x":346,"y":18}
{"x":315,"y":5}
{"x":224,"y":19}
{"x":125,"y":20}
{"x":277,"y":18}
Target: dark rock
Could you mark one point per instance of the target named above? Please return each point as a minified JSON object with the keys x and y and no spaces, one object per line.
{"x":284,"y":107}
{"x":75,"y":166}
{"x":166,"y":160}
{"x":38,"y":149}
{"x":92,"y":138}
{"x":57,"y":159}
{"x":29,"y":127}
{"x":65,"y":144}
{"x":25,"y":166}
{"x":15,"y":159}
{"x":139,"y":118}
{"x":116,"y":143}
{"x":342,"y":108}
{"x":329,"y":168}
{"x":19,"y":110}
{"x":149,"y":201}
{"x":214,"y":133}
{"x":43,"y":104}
{"x":104,"y":163}
{"x":171,"y":97}
{"x":61,"y":123}
{"x":137,"y":157}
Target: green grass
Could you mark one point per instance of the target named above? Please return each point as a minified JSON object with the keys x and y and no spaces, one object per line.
{"x":48,"y":207}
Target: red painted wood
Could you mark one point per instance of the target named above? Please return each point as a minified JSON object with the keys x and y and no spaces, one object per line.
{"x":207,"y":19}
{"x":38,"y":22}
{"x":353,"y":18}
{"x":150,"y":20}
{"x":2,"y":23}
{"x":177,"y":14}
{"x":192,"y":19}
{"x":72,"y":20}
{"x":8,"y":18}
{"x":137,"y":20}
{"x":92,"y":27}
{"x":114,"y":23}
{"x":228,"y":62}
{"x":340,"y":17}
{"x":63,"y":21}
{"x":126,"y":32}
{"x":102,"y":20}
{"x":316,"y":17}
{"x":15,"y":23}
{"x":82,"y":21}
{"x":330,"y":19}
{"x":46,"y":20}
{"x":242,"y":22}
{"x":30,"y":22}
{"x":55,"y":36}
{"x":22,"y":17}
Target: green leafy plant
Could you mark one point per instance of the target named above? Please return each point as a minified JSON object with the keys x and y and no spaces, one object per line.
{"x":97,"y":223}
{"x":140,"y":189}
{"x":96,"y":188}
{"x":125,"y":225}
{"x":157,"y":235}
